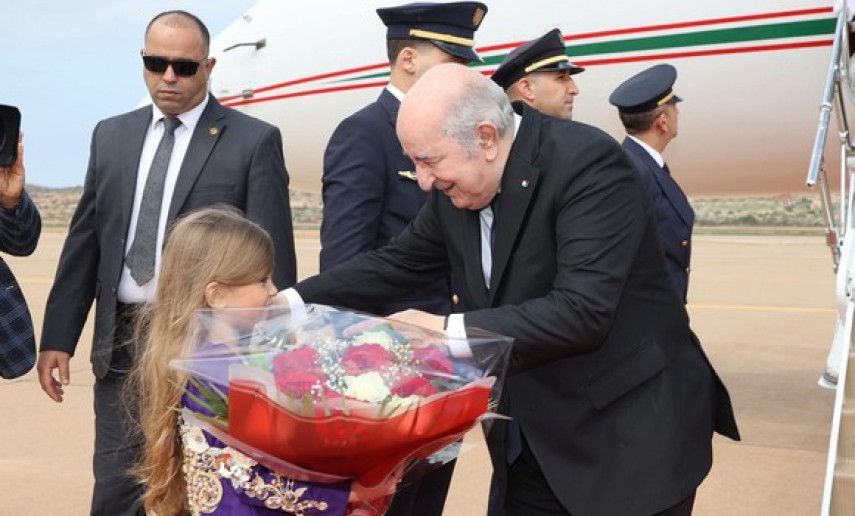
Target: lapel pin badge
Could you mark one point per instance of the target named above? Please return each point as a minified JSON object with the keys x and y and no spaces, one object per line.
{"x":213,"y":131}
{"x":407,"y":174}
{"x":524,"y":183}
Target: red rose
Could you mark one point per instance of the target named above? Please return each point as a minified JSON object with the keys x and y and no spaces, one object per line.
{"x":413,"y":385}
{"x":431,"y":359}
{"x":298,"y":383}
{"x":366,"y":358}
{"x":299,"y":359}
{"x":297,"y":371}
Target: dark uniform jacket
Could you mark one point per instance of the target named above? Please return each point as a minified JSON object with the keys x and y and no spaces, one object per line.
{"x":232,"y":159}
{"x":611,"y":389}
{"x":367,"y":200}
{"x":670,"y":209}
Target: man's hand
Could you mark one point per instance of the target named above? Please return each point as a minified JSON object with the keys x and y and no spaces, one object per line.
{"x":420,"y":318}
{"x":12,"y":179}
{"x":48,"y":361}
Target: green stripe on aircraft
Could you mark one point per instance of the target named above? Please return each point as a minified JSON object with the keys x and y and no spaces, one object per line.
{"x":820,"y":27}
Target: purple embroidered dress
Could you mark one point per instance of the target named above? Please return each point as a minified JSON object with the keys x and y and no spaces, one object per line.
{"x":224,"y":481}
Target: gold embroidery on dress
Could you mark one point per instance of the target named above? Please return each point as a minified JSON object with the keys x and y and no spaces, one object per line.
{"x":204,"y":465}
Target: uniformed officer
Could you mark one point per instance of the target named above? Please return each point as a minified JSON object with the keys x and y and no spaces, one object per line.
{"x":540,"y":74}
{"x":369,"y":185}
{"x":647,"y":106}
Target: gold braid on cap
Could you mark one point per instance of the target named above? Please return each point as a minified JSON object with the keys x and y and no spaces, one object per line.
{"x":447,"y":38}
{"x":665,"y":99}
{"x":543,"y":62}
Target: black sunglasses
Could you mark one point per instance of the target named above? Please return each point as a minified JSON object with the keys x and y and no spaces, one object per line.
{"x":181,"y":67}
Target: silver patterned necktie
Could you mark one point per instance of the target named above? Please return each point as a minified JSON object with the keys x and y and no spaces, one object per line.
{"x":140,"y":257}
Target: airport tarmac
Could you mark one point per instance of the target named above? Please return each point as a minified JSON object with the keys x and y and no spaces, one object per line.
{"x":763,"y":308}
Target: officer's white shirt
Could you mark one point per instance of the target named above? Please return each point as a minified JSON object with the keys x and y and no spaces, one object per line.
{"x":129,"y":291}
{"x":657,"y":157}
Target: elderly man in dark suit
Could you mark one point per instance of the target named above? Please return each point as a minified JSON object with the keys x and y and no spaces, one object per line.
{"x":20,"y":227}
{"x":369,"y":184}
{"x":647,"y":106}
{"x":613,"y":400}
{"x":146,"y":168}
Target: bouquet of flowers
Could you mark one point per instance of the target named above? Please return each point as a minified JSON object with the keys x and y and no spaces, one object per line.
{"x":336,"y":395}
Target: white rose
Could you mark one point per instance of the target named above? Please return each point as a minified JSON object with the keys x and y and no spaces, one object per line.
{"x":375,"y":337}
{"x":368,"y":387}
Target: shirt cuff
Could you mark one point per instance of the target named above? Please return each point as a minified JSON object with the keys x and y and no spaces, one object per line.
{"x":456,"y":329}
{"x":295,"y":303}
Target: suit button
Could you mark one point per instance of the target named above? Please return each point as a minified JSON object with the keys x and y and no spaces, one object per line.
{"x":684,"y":243}
{"x":454,"y":299}
{"x":688,"y":269}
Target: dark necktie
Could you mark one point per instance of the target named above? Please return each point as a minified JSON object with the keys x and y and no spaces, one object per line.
{"x":666,"y":169}
{"x":140,"y":258}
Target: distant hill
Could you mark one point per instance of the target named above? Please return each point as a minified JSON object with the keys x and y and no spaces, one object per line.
{"x":803,"y":211}
{"x":57,"y":205}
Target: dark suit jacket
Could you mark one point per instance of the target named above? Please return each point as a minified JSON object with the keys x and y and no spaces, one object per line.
{"x":232,"y":159}
{"x":611,"y":388}
{"x":19,"y":233}
{"x":366,"y":201}
{"x":670,"y":209}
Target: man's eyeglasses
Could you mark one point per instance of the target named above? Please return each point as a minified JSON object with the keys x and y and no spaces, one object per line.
{"x":181,"y":67}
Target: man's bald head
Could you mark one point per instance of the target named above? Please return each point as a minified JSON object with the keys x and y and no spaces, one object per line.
{"x":455,"y":99}
{"x":457,"y":126}
{"x":182,"y":19}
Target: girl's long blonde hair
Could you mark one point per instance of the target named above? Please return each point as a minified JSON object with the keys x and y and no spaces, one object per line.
{"x":213,"y":244}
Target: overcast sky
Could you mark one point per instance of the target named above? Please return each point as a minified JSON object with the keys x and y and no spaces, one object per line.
{"x":66,"y":65}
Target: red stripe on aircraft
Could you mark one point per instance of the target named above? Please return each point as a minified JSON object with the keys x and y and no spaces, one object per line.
{"x":679,"y":25}
{"x":307,"y":92}
{"x":649,"y":28}
{"x":309,"y":79}
{"x":592,"y":62}
{"x":703,"y":53}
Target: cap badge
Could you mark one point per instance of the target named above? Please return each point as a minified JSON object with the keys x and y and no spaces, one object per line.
{"x":478,"y":16}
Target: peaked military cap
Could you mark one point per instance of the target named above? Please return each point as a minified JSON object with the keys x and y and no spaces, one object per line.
{"x":646,"y":90}
{"x":544,"y":54}
{"x":450,"y":26}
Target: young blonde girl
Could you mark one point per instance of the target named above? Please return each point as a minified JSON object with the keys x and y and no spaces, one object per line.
{"x":214,"y":258}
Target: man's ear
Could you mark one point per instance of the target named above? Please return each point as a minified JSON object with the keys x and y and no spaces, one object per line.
{"x":488,"y":139}
{"x":661,"y":122}
{"x":523,"y":90}
{"x":214,"y":295}
{"x":406,"y":59}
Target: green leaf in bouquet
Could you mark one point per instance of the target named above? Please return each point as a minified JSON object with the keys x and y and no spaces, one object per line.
{"x":325,"y":404}
{"x":263,"y":361}
{"x":210,"y":397}
{"x":308,"y":405}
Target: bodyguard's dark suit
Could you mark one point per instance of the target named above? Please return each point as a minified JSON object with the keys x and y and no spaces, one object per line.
{"x":231,"y":159}
{"x":366,"y":200}
{"x":19,"y":233}
{"x":611,"y":388}
{"x":671,"y":210}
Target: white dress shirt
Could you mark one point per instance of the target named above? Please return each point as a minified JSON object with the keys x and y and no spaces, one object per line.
{"x":657,"y":157}
{"x":398,"y":94}
{"x":129,"y":291}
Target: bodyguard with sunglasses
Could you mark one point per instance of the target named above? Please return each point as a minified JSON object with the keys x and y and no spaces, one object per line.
{"x":146,"y":168}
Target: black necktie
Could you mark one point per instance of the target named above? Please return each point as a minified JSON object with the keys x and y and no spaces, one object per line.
{"x":666,"y":169}
{"x":140,"y":258}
